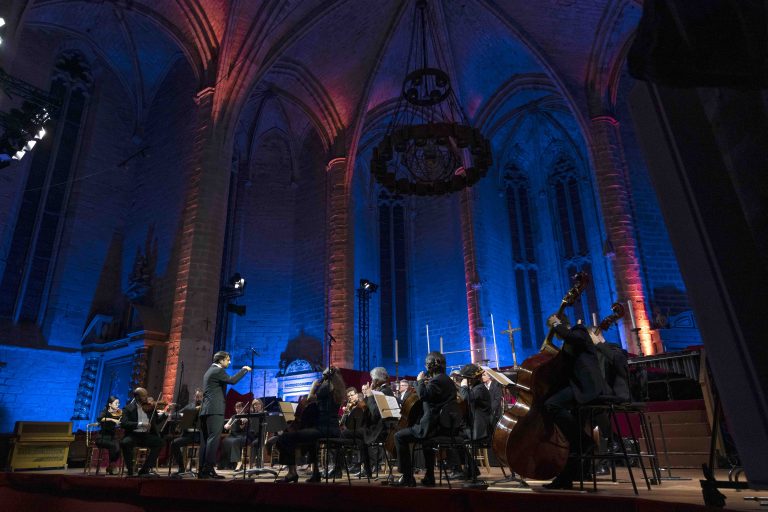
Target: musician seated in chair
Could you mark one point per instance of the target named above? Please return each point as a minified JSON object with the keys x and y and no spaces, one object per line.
{"x":328,"y":395}
{"x":436,"y":390}
{"x":141,"y":420}
{"x":476,"y":395}
{"x":191,"y":434}
{"x":109,"y":420}
{"x":584,"y":384}
{"x":376,"y":427}
{"x":353,"y":420}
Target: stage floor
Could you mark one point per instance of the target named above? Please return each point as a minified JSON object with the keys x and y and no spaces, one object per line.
{"x":72,"y":490}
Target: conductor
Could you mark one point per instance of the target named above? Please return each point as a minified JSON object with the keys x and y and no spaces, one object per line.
{"x":212,"y":410}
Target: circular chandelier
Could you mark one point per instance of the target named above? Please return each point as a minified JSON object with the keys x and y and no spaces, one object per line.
{"x":429,"y":147}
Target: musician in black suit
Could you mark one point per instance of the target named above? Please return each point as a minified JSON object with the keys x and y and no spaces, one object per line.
{"x":212,"y":410}
{"x":585,"y":383}
{"x":495,"y":391}
{"x":376,"y":428}
{"x":436,"y":391}
{"x":140,"y":420}
{"x":405,"y":389}
{"x":478,"y":426}
{"x":613,"y":363}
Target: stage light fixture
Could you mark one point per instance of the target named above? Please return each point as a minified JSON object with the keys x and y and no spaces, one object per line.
{"x":368,"y":286}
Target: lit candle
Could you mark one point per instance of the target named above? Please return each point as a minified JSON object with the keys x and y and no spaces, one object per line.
{"x":441,"y":344}
{"x":428,"y":351}
{"x":631,"y":314}
{"x":396,"y":359}
{"x":594,"y":318}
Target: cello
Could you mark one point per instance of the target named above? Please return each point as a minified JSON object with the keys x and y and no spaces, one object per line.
{"x":525,"y":439}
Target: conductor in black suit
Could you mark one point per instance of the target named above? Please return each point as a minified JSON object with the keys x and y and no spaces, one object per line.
{"x":585,"y":383}
{"x":435,"y":392}
{"x":212,"y":410}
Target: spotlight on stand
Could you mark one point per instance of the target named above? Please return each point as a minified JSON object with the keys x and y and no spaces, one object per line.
{"x":363,"y":320}
{"x":235,"y":287}
{"x":368,"y":286}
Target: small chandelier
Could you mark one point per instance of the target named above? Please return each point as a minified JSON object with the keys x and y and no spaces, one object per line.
{"x":429,"y":147}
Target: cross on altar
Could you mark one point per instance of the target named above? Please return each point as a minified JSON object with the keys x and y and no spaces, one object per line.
{"x":511,"y":333}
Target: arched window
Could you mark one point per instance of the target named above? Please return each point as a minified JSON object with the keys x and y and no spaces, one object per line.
{"x":523,"y":256}
{"x":36,"y":236}
{"x":571,"y":231}
{"x":393,"y":286}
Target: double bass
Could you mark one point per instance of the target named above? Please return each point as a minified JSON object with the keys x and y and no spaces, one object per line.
{"x":525,"y":439}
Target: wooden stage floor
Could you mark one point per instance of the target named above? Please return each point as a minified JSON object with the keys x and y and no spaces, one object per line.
{"x":680,"y":494}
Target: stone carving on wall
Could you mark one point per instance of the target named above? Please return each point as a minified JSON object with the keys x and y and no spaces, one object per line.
{"x":84,"y":397}
{"x":140,"y":368}
{"x":141,"y":276}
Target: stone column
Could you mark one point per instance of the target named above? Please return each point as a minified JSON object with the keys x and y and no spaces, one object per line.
{"x":471,"y":277}
{"x":339,"y":282}
{"x":615,"y":199}
{"x":201,"y":242}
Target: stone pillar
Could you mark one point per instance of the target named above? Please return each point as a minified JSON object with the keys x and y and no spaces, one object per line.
{"x":615,"y":199}
{"x":339,"y":284}
{"x":200,"y":245}
{"x":471,"y":276}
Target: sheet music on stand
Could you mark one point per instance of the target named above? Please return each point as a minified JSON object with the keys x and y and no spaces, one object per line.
{"x":498,"y":376}
{"x":289,"y":410}
{"x":388,"y":406}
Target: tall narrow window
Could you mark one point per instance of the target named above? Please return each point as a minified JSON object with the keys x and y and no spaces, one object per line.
{"x":572,"y":232}
{"x":393,"y":287}
{"x":31,"y":257}
{"x":524,"y":257}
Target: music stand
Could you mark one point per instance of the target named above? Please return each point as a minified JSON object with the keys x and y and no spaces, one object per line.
{"x":267,"y":423}
{"x":189,"y":420}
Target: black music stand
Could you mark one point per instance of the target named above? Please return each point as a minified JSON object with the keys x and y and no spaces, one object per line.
{"x":190,"y":421}
{"x":267,"y":423}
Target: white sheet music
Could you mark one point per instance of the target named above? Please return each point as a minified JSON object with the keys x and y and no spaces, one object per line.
{"x":497,"y":376}
{"x":388,"y":406}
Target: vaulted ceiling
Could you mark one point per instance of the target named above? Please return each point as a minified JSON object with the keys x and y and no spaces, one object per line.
{"x":341,"y":60}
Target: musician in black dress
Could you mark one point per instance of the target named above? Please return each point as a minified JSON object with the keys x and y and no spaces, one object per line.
{"x":584,"y":384}
{"x":109,"y":419}
{"x":327,"y":396}
{"x":436,"y":391}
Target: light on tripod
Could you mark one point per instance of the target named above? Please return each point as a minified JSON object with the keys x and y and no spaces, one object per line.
{"x":368,"y":286}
